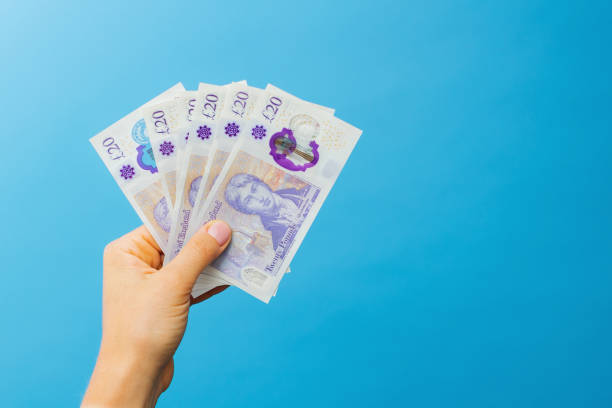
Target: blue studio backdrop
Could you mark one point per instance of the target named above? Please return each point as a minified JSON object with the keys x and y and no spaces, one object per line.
{"x":463,"y":258}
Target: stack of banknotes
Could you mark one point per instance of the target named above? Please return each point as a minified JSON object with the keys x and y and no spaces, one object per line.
{"x":262,"y":160}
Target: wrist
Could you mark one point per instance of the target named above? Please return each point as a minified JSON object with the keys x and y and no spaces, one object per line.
{"x":121,"y":381}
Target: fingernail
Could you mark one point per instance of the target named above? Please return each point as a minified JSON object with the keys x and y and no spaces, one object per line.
{"x":220,"y":231}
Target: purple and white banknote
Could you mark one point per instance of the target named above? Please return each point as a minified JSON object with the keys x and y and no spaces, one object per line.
{"x":272,"y":187}
{"x":241,"y":100}
{"x":195,"y":161}
{"x":201,"y":135}
{"x":126,"y":150}
{"x":166,"y":123}
{"x":262,"y":160}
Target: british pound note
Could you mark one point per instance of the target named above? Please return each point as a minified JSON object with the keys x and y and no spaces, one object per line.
{"x":272,"y":187}
{"x":164,"y":122}
{"x":126,"y":150}
{"x":241,"y":100}
{"x":200,"y":135}
{"x":203,"y":133}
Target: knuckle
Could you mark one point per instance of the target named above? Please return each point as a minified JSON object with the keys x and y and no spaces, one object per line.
{"x":113,"y":248}
{"x":109,"y":249}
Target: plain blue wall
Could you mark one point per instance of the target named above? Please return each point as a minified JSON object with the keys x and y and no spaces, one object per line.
{"x":462,"y":260}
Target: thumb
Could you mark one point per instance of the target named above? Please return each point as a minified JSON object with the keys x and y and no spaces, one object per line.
{"x":203,"y":248}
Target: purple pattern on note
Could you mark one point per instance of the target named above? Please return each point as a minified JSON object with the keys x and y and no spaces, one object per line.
{"x":127,"y":172}
{"x":258,"y":132}
{"x":232,"y":129}
{"x":204,"y":132}
{"x":166,"y":148}
{"x":287,"y":143}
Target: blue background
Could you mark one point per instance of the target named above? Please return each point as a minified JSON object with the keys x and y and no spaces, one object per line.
{"x":463,"y":259}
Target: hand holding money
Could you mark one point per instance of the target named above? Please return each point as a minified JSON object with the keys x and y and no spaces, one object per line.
{"x":145,"y":308}
{"x":261,"y":160}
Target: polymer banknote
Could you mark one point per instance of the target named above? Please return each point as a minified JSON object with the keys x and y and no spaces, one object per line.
{"x":165,"y":124}
{"x":272,"y":186}
{"x":241,"y":100}
{"x":200,"y":136}
{"x":262,"y":160}
{"x":126,"y":150}
{"x":205,"y":160}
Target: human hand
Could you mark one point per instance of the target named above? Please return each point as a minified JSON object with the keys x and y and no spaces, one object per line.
{"x":144,"y":314}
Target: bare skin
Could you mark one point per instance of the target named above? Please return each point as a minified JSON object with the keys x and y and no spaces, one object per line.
{"x":144,"y":314}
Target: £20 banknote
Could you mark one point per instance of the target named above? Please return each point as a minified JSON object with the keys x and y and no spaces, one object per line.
{"x":126,"y":150}
{"x":272,"y":187}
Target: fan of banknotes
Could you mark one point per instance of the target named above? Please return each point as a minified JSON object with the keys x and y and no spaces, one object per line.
{"x":262,"y":160}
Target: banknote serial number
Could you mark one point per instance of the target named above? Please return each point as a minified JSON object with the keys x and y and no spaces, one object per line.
{"x":271,"y":109}
{"x":240,"y":103}
{"x":160,"y":123}
{"x":112,"y":148}
{"x":210,"y":106}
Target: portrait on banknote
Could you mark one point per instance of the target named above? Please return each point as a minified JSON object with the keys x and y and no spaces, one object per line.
{"x":277,"y":210}
{"x":268,"y":206}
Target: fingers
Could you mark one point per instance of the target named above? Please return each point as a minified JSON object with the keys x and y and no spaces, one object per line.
{"x":209,"y":294}
{"x":138,"y":244}
{"x":141,"y":236}
{"x":203,"y":248}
